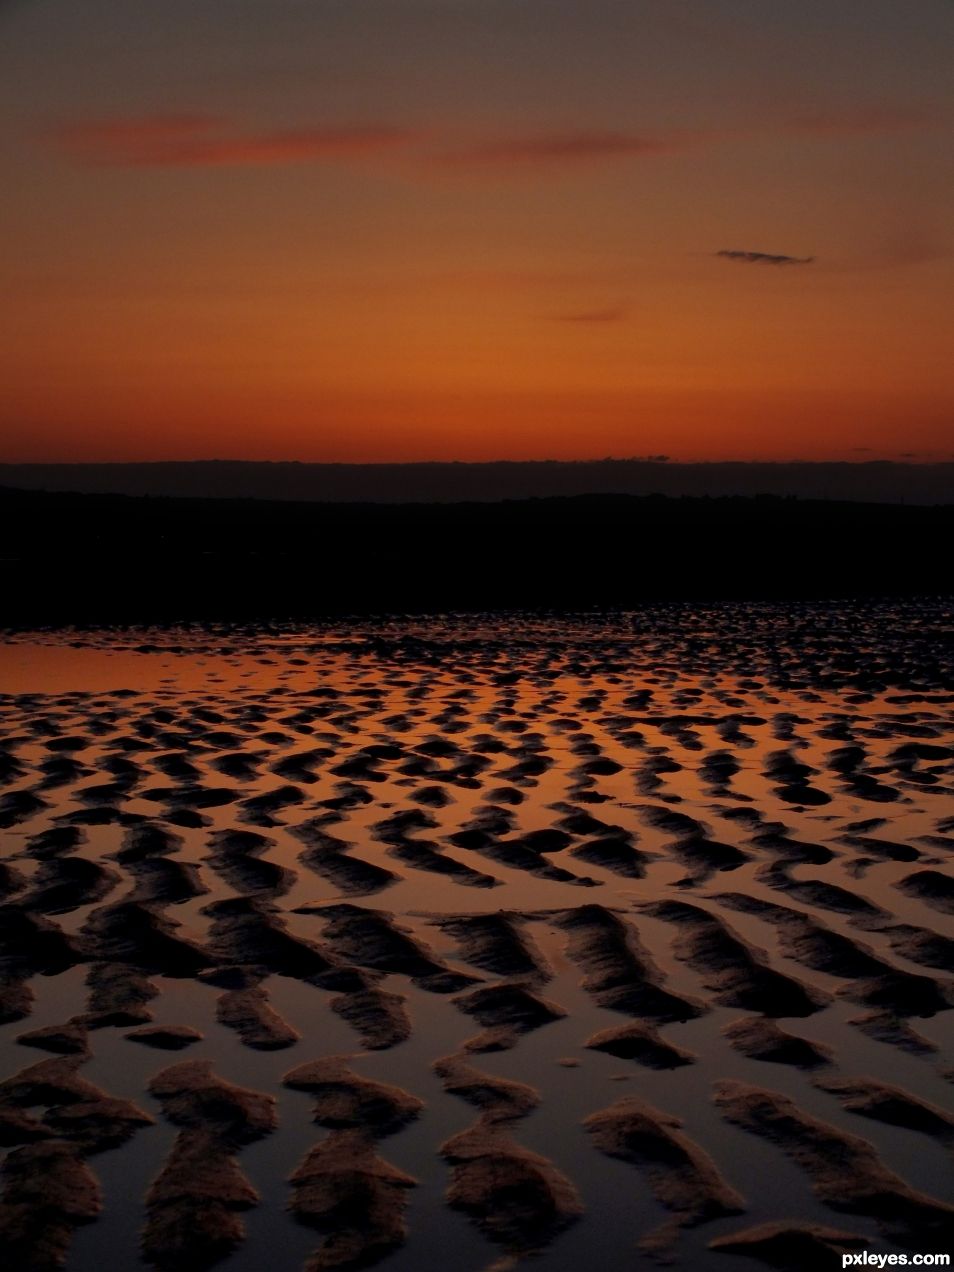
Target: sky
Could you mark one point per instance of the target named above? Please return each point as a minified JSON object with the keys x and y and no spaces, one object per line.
{"x":476,"y":229}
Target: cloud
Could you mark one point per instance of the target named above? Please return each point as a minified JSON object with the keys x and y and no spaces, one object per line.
{"x":911,"y":245}
{"x":201,"y":140}
{"x":208,"y":141}
{"x":590,"y":146}
{"x":763,"y":258}
{"x":610,"y":314}
{"x":862,"y":121}
{"x":559,"y":149}
{"x":198,"y":141}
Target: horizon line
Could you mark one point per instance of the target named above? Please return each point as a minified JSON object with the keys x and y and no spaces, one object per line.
{"x":660,"y":461}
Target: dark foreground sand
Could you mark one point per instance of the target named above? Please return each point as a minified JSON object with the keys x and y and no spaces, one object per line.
{"x":474,"y":941}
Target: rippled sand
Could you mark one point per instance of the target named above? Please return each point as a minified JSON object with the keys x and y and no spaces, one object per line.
{"x":461,"y":942}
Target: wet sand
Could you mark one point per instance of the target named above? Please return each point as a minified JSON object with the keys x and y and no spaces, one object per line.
{"x":470,"y":942}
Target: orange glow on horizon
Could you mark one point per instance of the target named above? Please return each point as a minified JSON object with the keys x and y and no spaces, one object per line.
{"x":467,"y":244}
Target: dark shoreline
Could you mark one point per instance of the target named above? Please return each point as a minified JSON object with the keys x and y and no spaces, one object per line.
{"x":89,"y":559}
{"x":447,"y":482}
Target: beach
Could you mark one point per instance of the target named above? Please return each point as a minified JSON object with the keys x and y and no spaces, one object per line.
{"x":471,"y":940}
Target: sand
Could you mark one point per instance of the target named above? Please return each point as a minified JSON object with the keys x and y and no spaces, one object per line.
{"x":845,"y":1170}
{"x":346,"y":1189}
{"x":193,"y":1206}
{"x":791,"y":1248}
{"x":344,"y":1099}
{"x":684,"y":1179}
{"x":466,"y":874}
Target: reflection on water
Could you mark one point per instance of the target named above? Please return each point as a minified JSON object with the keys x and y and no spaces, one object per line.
{"x":798,"y":759}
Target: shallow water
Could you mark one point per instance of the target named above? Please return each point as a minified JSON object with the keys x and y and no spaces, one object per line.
{"x":509,"y":713}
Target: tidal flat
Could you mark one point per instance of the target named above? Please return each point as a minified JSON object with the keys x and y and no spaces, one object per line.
{"x":479,"y":940}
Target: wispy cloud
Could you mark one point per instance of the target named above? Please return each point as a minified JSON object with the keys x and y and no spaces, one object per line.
{"x":194,"y":141}
{"x":591,"y":146}
{"x":910,"y":245}
{"x":197,"y":140}
{"x":862,"y":121}
{"x":762,"y":258}
{"x":560,"y":149}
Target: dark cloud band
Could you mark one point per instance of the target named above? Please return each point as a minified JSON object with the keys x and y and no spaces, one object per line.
{"x":763,"y":258}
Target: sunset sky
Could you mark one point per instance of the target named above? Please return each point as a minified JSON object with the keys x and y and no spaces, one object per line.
{"x":476,"y":229}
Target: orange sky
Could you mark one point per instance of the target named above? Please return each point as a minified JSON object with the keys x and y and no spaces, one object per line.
{"x":401,"y":229}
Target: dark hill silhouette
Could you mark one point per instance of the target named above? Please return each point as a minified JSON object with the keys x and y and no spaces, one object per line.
{"x":112,"y":559}
{"x":877,"y":481}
